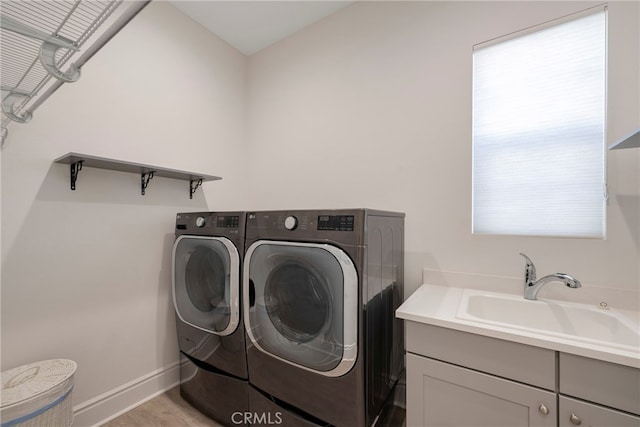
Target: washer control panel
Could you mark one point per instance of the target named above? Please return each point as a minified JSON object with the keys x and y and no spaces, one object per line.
{"x":210,"y":223}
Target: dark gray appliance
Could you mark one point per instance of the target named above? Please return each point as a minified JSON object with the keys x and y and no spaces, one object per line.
{"x":207,"y":268}
{"x":320,"y":291}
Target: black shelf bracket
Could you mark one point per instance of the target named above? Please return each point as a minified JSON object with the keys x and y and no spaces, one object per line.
{"x":74,"y":169}
{"x":193,"y":186}
{"x":144,"y":181}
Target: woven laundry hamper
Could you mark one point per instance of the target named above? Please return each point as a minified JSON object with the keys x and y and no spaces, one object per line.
{"x":38,"y":394}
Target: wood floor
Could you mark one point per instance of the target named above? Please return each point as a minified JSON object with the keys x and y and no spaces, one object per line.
{"x":166,"y":410}
{"x":171,"y":410}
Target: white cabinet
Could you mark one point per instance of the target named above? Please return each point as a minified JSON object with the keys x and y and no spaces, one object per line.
{"x":442,"y":394}
{"x":595,"y":393}
{"x":577,"y":413}
{"x":605,"y":383}
{"x":459,"y":379}
{"x":523,"y":363}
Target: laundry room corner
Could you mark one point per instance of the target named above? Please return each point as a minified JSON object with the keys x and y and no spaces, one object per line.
{"x":86,"y":273}
{"x":286,"y":233}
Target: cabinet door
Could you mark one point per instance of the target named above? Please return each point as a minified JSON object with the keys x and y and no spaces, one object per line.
{"x":574,"y":413}
{"x":440,"y":394}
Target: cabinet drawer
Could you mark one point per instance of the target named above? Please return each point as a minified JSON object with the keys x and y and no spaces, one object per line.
{"x":440,"y":394}
{"x":520,"y":362}
{"x":587,"y":414}
{"x":610,"y":384}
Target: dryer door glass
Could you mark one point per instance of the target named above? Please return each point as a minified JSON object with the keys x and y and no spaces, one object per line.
{"x":298,"y":313}
{"x":206,"y":283}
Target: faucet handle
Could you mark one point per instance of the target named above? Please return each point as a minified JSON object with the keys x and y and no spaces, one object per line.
{"x":530,"y":271}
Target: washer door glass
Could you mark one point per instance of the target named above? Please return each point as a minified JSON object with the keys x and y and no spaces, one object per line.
{"x":300,"y":294}
{"x":297,"y":300}
{"x":206,"y":283}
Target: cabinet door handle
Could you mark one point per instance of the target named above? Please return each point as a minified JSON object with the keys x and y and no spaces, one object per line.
{"x":543,"y":409}
{"x":575,"y":420}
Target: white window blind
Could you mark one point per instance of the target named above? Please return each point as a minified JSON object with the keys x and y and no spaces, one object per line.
{"x":539,"y":108}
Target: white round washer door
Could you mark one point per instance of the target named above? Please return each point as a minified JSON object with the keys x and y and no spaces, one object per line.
{"x":304,"y":310}
{"x":206,"y":283}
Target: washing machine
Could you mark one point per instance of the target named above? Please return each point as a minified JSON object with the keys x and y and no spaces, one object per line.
{"x":207,"y":268}
{"x":320,"y":291}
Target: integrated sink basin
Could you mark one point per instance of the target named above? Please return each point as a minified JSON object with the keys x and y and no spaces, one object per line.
{"x":581,"y":322}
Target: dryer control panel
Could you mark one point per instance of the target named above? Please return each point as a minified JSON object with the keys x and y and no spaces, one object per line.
{"x":228,"y":221}
{"x":227,"y":224}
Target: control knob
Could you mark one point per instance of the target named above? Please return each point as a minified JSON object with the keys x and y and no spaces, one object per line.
{"x":290,"y":222}
{"x":200,"y":222}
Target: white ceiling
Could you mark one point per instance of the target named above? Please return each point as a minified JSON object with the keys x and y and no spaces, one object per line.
{"x":250,"y":26}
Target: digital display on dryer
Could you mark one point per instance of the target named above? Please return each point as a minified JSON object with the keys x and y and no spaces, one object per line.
{"x":336,"y":222}
{"x":228,"y":221}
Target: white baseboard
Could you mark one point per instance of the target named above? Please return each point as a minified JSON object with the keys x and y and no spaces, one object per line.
{"x":116,"y":402}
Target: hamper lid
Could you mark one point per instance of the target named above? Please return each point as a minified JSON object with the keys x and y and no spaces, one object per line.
{"x":27,"y":382}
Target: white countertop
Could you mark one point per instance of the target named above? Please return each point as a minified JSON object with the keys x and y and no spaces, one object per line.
{"x":438,"y":305}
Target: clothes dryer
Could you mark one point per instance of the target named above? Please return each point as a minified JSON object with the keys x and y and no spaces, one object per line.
{"x":320,"y":291}
{"x":207,"y":267}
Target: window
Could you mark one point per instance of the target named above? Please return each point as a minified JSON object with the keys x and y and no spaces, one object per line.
{"x":539,"y":108}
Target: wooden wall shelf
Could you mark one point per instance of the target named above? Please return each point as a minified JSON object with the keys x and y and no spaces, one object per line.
{"x":78,"y":161}
{"x":630,"y":141}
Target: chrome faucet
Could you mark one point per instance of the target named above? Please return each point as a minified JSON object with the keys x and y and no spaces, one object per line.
{"x":533,"y":286}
